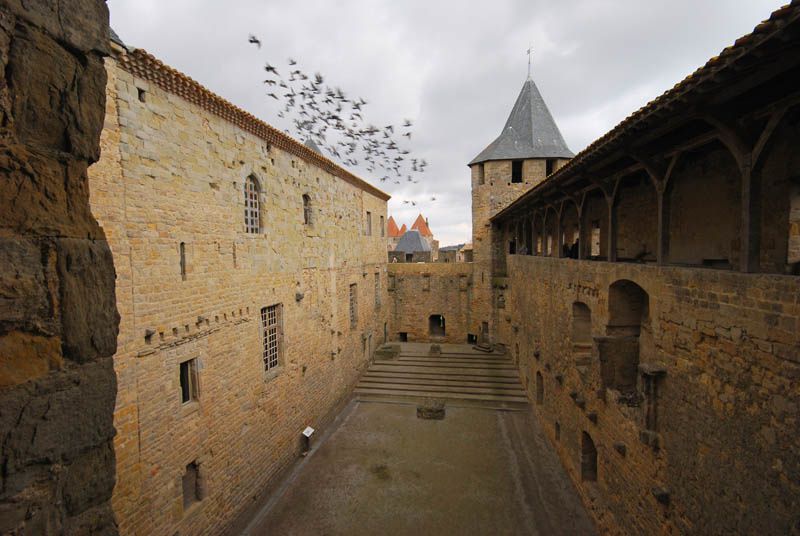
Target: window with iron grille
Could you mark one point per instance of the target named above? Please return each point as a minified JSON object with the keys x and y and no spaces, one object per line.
{"x":353,"y":305}
{"x":377,"y":290}
{"x":271,"y":335}
{"x":252,"y":219}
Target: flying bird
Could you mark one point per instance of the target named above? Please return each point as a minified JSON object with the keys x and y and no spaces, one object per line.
{"x":254,"y":40}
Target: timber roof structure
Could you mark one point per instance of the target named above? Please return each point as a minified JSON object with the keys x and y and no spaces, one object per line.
{"x":768,"y":56}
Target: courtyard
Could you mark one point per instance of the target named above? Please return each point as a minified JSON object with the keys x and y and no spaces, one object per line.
{"x":382,"y":470}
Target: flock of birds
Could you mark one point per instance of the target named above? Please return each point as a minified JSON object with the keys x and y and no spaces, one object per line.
{"x":335,"y":123}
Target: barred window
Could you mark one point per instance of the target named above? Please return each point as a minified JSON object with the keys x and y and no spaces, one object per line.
{"x":306,"y":209}
{"x":377,"y":290}
{"x":252,"y":219}
{"x":271,"y":335}
{"x":353,"y":305}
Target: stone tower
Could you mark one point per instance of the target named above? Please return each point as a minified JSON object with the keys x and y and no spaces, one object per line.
{"x":529,"y":148}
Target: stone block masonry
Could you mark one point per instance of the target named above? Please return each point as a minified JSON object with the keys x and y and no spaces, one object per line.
{"x":712,"y":412}
{"x":58,"y":318}
{"x":194,"y":288}
{"x":418,"y":292}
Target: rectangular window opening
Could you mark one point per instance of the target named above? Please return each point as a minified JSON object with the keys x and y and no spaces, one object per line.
{"x":595,"y":239}
{"x":142,"y":94}
{"x":383,"y":228}
{"x":481,"y":177}
{"x":369,"y":223}
{"x":550,"y":166}
{"x":353,"y":305}
{"x":271,"y":335}
{"x":188,"y":375}
{"x":377,"y":290}
{"x":516,"y":171}
{"x":183,"y":260}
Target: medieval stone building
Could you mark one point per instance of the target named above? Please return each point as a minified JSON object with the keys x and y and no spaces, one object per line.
{"x":647,"y":288}
{"x":251,"y":285}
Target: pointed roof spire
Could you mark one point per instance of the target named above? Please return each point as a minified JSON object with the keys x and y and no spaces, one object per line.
{"x":311,"y":144}
{"x":403,"y":229}
{"x":530,"y":131}
{"x":391,"y":228}
{"x":422,"y":226}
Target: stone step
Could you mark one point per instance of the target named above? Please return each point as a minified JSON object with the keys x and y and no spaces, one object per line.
{"x":480,"y":383}
{"x":468,"y":377}
{"x":439,"y":363}
{"x":464,"y":371}
{"x":391,"y":393}
{"x":462,"y":356}
{"x":410,"y":376}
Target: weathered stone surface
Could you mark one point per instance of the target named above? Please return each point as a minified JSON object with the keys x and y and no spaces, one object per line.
{"x":58,"y":99}
{"x":172,"y":173}
{"x":24,"y":300}
{"x":56,"y":273}
{"x":89,"y":332}
{"x":25,"y":357}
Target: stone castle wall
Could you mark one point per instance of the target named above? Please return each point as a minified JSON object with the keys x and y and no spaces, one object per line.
{"x":173,"y":173}
{"x":492,"y":191}
{"x":719,"y":452}
{"x":417,"y":291}
{"x":58,"y":320}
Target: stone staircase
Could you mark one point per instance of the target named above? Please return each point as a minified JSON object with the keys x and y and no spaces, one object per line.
{"x":407,"y":371}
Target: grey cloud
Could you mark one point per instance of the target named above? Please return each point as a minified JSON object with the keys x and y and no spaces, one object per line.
{"x":455,"y":67}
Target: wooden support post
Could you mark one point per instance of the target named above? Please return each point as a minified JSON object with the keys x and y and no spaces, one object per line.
{"x":751,"y":219}
{"x":662,"y":247}
{"x":611,"y":242}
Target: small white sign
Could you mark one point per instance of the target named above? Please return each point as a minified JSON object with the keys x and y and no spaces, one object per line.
{"x":308,"y":431}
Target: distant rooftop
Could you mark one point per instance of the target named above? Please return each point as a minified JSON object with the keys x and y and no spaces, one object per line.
{"x":412,"y":242}
{"x":530,"y":131}
{"x":312,"y":145}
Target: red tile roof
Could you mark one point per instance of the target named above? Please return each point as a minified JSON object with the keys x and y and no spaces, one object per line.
{"x":422,"y":226}
{"x":392,"y":229}
{"x":146,"y":66}
{"x":403,"y":229}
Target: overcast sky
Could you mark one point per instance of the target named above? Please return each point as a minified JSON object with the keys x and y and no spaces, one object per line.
{"x":454,"y":67}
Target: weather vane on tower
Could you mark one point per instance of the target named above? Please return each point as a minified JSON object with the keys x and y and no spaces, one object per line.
{"x":530,"y":51}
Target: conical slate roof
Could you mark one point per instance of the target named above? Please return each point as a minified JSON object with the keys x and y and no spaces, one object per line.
{"x":313,"y":146}
{"x":412,"y":242}
{"x":530,"y":131}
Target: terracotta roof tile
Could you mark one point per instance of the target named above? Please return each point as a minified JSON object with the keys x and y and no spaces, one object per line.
{"x":422,"y":226}
{"x":146,"y":66}
{"x":391,"y":228}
